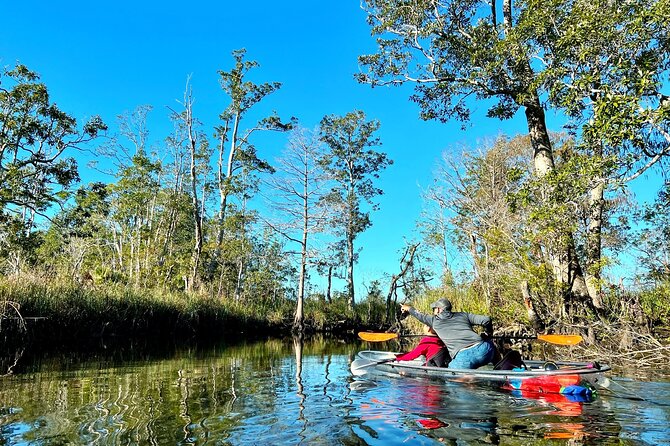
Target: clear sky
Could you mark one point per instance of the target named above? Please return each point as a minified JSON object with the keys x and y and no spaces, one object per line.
{"x":106,"y":58}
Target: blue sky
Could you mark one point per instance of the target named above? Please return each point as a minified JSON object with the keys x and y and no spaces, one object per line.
{"x":106,"y":58}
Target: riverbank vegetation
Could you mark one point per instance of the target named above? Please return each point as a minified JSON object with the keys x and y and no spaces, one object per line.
{"x":48,"y":314}
{"x":198,"y":232}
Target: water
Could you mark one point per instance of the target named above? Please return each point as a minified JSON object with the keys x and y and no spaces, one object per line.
{"x":287,"y":393}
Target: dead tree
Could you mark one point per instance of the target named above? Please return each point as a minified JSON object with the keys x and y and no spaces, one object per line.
{"x":406,"y":264}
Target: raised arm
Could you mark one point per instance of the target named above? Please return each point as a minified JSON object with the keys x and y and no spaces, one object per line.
{"x":426,"y":319}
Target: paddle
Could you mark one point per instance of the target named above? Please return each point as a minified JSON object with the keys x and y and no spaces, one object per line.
{"x":550,"y":338}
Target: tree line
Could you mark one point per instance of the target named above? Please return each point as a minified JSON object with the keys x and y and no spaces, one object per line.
{"x":177,"y":214}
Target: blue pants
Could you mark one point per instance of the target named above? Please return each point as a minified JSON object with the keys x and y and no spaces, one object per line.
{"x":473,"y":357}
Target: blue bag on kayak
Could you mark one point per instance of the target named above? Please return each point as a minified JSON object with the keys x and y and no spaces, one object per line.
{"x":577,"y":393}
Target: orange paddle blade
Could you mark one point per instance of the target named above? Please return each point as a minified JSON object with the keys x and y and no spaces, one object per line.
{"x":376,"y":337}
{"x":561,"y":339}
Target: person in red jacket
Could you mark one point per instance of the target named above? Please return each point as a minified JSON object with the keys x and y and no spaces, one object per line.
{"x":431,"y":347}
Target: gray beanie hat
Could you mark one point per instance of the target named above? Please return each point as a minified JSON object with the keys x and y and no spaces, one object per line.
{"x":442,"y":303}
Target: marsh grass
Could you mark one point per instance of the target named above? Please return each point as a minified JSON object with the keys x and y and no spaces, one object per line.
{"x":61,"y":311}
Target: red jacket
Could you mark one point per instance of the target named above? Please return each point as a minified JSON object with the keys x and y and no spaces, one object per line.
{"x":428,"y":346}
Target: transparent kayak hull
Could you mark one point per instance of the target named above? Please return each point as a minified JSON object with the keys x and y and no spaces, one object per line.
{"x":371,"y":362}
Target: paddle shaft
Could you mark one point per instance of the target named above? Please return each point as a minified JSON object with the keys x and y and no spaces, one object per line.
{"x":494,"y":337}
{"x":552,"y":339}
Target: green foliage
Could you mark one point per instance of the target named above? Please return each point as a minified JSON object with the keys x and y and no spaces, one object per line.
{"x":91,"y":207}
{"x":353,"y":166}
{"x":375,"y":301}
{"x":236,"y":177}
{"x":608,"y":64}
{"x":653,"y":239}
{"x":325,"y":316}
{"x":35,"y":136}
{"x":451,"y":51}
{"x":656,"y":302}
{"x":352,"y":163}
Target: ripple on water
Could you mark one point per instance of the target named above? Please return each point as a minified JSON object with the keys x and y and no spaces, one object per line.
{"x":224,"y":398}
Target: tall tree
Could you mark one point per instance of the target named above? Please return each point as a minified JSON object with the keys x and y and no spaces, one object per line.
{"x":353,"y":164}
{"x":133,"y":195}
{"x":241,"y":158}
{"x":456,"y":50}
{"x":607,"y":68}
{"x":476,"y":190}
{"x":34,"y":136}
{"x":297,"y":189}
{"x":197,"y":148}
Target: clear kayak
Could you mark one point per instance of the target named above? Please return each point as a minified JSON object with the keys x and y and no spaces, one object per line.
{"x":536,"y":376}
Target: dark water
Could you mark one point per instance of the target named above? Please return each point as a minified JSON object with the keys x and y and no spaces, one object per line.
{"x":285,"y":392}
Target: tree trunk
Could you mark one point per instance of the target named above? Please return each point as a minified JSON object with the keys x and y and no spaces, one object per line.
{"x":225,"y":179}
{"x":350,"y":270}
{"x":133,"y":254}
{"x":563,"y":257}
{"x":329,"y":297}
{"x":240,"y":275}
{"x":118,"y":247}
{"x":539,"y":137}
{"x":507,"y":15}
{"x":299,"y":311}
{"x":536,"y":322}
{"x":298,"y":320}
{"x":197,"y":221}
{"x":594,"y":244}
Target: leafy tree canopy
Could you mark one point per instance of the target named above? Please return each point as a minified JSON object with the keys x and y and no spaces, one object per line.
{"x":34,"y":136}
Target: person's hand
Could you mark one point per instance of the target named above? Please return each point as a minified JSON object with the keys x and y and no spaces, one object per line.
{"x":405,"y":308}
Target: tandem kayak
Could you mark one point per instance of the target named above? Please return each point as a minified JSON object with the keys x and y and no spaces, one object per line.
{"x":536,"y":376}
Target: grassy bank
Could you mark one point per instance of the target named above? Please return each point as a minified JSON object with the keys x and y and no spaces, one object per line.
{"x":71,"y":315}
{"x":68,"y":312}
{"x":47,"y":313}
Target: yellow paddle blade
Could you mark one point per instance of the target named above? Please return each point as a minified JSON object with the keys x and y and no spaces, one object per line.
{"x":376,"y":337}
{"x":561,"y":339}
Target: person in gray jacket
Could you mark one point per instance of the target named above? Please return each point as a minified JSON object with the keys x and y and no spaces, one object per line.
{"x":468,"y":349}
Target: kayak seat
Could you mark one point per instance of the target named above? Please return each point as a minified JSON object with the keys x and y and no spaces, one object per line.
{"x":511,"y":360}
{"x":440,"y":359}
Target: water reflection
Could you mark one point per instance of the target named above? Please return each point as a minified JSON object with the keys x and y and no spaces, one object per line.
{"x":297,"y":346}
{"x":297,"y":392}
{"x":457,"y":414}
